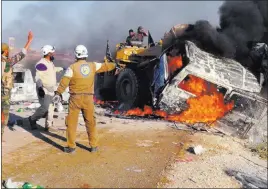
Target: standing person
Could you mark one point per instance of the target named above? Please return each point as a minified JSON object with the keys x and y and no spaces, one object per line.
{"x":80,"y":79}
{"x":141,"y":33}
{"x":7,"y":77}
{"x":130,"y":37}
{"x":46,"y":82}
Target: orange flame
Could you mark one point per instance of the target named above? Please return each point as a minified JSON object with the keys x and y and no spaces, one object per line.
{"x":195,"y":85}
{"x":116,"y":112}
{"x":160,"y":113}
{"x":139,"y":112}
{"x":96,"y":101}
{"x":206,"y":107}
{"x":174,"y":63}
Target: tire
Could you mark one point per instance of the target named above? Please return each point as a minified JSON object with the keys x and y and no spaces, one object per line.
{"x":104,"y":90}
{"x":129,"y":90}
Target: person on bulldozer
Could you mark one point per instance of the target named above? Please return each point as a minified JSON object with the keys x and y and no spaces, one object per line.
{"x":80,"y":79}
{"x":130,"y":37}
{"x":141,"y":33}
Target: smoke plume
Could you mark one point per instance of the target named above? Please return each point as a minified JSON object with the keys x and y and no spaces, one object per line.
{"x":67,"y":24}
{"x":241,"y":22}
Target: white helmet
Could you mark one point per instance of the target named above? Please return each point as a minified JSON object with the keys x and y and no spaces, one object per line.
{"x":48,"y":49}
{"x":80,"y":51}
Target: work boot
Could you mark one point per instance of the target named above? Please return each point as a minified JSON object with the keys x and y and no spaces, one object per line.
{"x":32,"y":124}
{"x":93,"y":149}
{"x":48,"y":126}
{"x":69,"y":150}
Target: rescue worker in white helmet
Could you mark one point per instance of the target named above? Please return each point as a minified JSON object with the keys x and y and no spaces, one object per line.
{"x":80,"y":79}
{"x":45,"y":86}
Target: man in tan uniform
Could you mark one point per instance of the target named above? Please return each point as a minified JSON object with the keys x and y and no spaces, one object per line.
{"x":7,"y":64}
{"x":80,"y":79}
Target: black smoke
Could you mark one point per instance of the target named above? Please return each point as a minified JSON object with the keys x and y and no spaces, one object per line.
{"x":241,"y":23}
{"x":67,"y":24}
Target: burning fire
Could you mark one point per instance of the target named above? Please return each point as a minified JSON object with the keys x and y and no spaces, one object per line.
{"x":174,"y":63}
{"x":96,"y":101}
{"x":195,"y":85}
{"x":137,"y":111}
{"x":206,"y":107}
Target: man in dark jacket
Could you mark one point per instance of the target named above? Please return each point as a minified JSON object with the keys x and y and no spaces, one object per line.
{"x":130,"y":37}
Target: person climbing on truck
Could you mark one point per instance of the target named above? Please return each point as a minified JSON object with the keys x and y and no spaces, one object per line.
{"x":130,"y":37}
{"x":141,"y":33}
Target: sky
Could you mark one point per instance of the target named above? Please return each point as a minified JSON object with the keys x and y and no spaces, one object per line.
{"x":10,"y":10}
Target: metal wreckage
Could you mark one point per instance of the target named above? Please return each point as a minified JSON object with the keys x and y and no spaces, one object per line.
{"x":179,"y":81}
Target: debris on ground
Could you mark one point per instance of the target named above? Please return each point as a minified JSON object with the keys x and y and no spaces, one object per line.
{"x":261,"y":150}
{"x":10,"y":184}
{"x":101,"y":122}
{"x":186,"y":159}
{"x":20,"y":110}
{"x":144,"y":143}
{"x":135,"y":169}
{"x":248,"y":181}
{"x":197,"y":150}
{"x":33,"y":105}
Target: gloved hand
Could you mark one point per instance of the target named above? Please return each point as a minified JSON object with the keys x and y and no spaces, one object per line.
{"x":56,"y":98}
{"x":59,"y":69}
{"x":41,"y":92}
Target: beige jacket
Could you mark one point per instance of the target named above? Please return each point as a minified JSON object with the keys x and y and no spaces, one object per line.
{"x":80,"y":76}
{"x":46,"y":75}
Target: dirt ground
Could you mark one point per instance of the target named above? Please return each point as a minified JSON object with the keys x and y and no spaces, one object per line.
{"x":133,"y":153}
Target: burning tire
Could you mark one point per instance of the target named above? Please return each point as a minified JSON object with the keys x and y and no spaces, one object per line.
{"x":130,"y":90}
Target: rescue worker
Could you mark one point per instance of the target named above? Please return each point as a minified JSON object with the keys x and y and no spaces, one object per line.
{"x":141,"y":33}
{"x":45,"y":86}
{"x":80,"y":79}
{"x":130,"y":37}
{"x":7,"y":77}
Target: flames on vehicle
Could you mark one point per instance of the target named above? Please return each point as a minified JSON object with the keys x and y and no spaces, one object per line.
{"x":207,"y":106}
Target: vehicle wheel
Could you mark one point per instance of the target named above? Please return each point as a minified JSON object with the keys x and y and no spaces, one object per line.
{"x":128,"y":89}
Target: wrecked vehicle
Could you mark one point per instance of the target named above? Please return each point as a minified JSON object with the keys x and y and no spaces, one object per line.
{"x":131,"y":86}
{"x":152,"y":76}
{"x":231,"y":79}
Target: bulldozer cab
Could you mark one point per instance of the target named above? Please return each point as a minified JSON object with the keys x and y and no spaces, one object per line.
{"x":124,"y":52}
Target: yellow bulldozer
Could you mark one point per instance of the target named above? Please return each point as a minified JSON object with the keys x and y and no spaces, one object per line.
{"x":130,"y":82}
